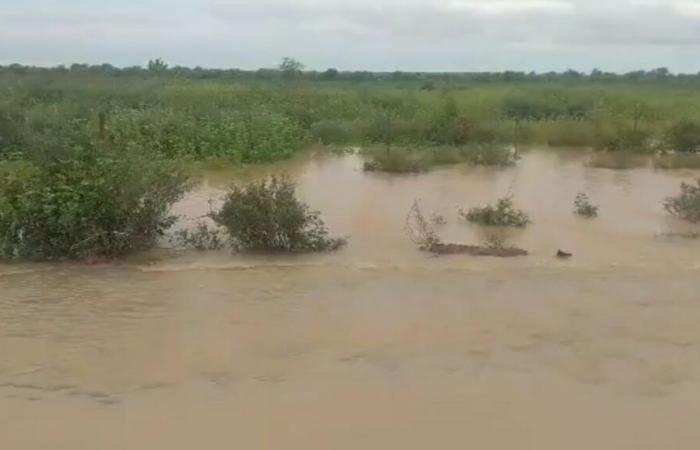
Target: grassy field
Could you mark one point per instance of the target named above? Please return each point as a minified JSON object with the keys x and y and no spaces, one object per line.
{"x":257,"y":121}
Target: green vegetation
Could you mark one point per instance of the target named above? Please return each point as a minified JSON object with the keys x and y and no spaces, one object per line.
{"x":268,"y":216}
{"x":90,"y":155}
{"x":423,"y":234}
{"x":503,"y":214}
{"x":267,"y":115}
{"x":201,"y":238}
{"x":86,"y":204}
{"x":686,"y":205}
{"x":583,"y":207}
{"x":415,"y":160}
{"x":684,"y":137}
{"x":678,"y":161}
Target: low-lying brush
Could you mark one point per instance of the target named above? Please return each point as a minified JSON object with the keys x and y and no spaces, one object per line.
{"x":202,"y":237}
{"x":420,"y":230}
{"x":422,"y":233}
{"x":678,"y":161}
{"x":268,"y":216}
{"x":583,"y":207}
{"x":396,"y":161}
{"x":683,"y":137}
{"x":686,"y":205}
{"x":413,"y":160}
{"x":93,"y":204}
{"x":617,"y":160}
{"x":491,"y":155}
{"x":503,"y":214}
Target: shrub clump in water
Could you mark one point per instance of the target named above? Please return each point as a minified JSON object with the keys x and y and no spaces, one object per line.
{"x":423,"y":234}
{"x":686,"y":205}
{"x":503,"y":214}
{"x":396,"y":161}
{"x":92,"y":204}
{"x":583,"y":206}
{"x":267,"y":216}
{"x":201,"y":238}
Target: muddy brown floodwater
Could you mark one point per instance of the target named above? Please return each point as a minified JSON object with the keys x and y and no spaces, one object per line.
{"x":378,"y":346}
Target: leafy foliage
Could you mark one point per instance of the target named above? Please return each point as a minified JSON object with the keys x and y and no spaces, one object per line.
{"x":89,"y":205}
{"x":268,"y":216}
{"x":686,"y":205}
{"x":503,"y":214}
{"x":201,"y":238}
{"x":583,"y":206}
{"x":684,"y":137}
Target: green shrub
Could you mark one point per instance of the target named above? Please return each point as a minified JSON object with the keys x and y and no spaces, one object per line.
{"x":566,"y":133}
{"x":503,"y":214}
{"x":399,"y":160}
{"x":583,"y":206}
{"x":686,"y":205}
{"x":334,"y":132}
{"x":625,"y":140}
{"x":201,"y":238}
{"x":684,"y":137}
{"x":268,"y":216}
{"x":490,"y":155}
{"x":90,"y":205}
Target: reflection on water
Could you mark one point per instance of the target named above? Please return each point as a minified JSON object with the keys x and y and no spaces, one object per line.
{"x":379,"y":345}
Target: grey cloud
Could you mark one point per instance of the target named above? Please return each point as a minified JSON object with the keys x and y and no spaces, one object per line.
{"x":537,"y":22}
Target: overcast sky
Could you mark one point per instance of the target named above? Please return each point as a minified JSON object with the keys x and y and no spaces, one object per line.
{"x":432,"y":35}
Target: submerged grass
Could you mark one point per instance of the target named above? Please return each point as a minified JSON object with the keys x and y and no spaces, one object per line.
{"x":617,"y":160}
{"x":677,"y":161}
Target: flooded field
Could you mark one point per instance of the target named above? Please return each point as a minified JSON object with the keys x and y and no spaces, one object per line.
{"x":377,"y":345}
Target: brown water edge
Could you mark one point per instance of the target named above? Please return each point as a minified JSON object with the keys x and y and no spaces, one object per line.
{"x":378,"y":345}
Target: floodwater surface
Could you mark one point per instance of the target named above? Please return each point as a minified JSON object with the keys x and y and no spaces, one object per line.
{"x":378,"y":345}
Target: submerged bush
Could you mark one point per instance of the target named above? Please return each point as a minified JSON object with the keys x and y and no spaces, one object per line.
{"x":90,"y":205}
{"x":503,"y":214}
{"x":625,"y":140}
{"x":201,"y":238}
{"x":396,"y":161}
{"x":268,"y":216}
{"x":583,"y":206}
{"x":491,"y":155}
{"x":686,"y":205}
{"x":616,"y":160}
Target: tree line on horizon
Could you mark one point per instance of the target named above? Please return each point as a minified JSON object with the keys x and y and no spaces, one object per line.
{"x":291,"y":68}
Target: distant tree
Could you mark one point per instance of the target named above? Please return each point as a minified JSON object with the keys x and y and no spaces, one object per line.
{"x":330,"y":74}
{"x":157,"y":66}
{"x":659,"y":74}
{"x":291,"y":68}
